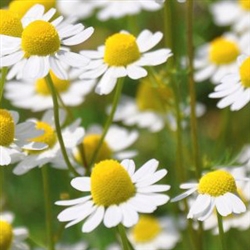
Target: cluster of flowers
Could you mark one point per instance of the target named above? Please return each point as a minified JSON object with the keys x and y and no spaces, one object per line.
{"x":40,"y":69}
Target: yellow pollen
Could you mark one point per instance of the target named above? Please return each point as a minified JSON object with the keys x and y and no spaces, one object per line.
{"x":121,"y":50}
{"x":217,"y":183}
{"x":7,"y":128}
{"x":245,"y":4}
{"x":10,"y":24}
{"x":155,"y":98}
{"x":40,"y":38}
{"x":90,"y":143}
{"x":6,"y":235}
{"x":223,"y":51}
{"x":146,"y":229}
{"x":110,"y":183}
{"x":49,"y":136}
{"x":245,"y":73}
{"x":22,"y":6}
{"x":60,"y":85}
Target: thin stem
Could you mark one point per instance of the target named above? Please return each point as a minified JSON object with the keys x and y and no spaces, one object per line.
{"x":221,"y":231}
{"x":57,"y":124}
{"x":48,"y":211}
{"x":1,"y":187}
{"x":192,"y":91}
{"x":2,"y":82}
{"x":117,"y":95}
{"x":126,"y":245}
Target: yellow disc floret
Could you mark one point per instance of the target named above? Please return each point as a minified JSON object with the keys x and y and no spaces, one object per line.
{"x":245,"y":73}
{"x":10,"y":24}
{"x":6,"y":235}
{"x":146,"y":229}
{"x":40,"y":38}
{"x":121,"y":50}
{"x":110,"y":183}
{"x":49,"y":135}
{"x":217,"y":183}
{"x":90,"y":143}
{"x":149,"y":97}
{"x":60,"y":85}
{"x":223,"y":51}
{"x":245,"y":4}
{"x":22,"y":6}
{"x":7,"y":128}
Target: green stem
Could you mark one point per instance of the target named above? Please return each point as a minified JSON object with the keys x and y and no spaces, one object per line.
{"x":117,"y":95}
{"x":2,"y":82}
{"x":48,"y":211}
{"x":126,"y":245}
{"x":192,"y":91}
{"x":221,"y":231}
{"x":1,"y":187}
{"x":57,"y":124}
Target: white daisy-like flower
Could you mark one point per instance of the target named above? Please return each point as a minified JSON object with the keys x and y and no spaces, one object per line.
{"x":15,"y":137}
{"x":239,"y":16}
{"x":116,"y":141}
{"x":238,"y":221}
{"x":218,"y":58}
{"x":216,"y":190}
{"x":108,"y":9}
{"x":43,"y":45}
{"x":35,"y":95}
{"x":118,"y":194}
{"x":72,"y":135}
{"x":12,"y":238}
{"x":234,"y":88}
{"x":123,"y":55}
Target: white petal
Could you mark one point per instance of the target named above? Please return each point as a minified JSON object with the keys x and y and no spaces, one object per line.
{"x":113,"y":216}
{"x":73,"y":201}
{"x":238,"y":205}
{"x":34,"y":67}
{"x":204,"y":73}
{"x":139,"y":204}
{"x":81,"y":183}
{"x":106,"y":85}
{"x":57,"y":68}
{"x":153,"y":188}
{"x":11,"y":59}
{"x":201,"y":203}
{"x":130,"y":216}
{"x":4,"y":156}
{"x":72,"y":59}
{"x":223,"y":206}
{"x":94,"y":220}
{"x":129,"y":165}
{"x":184,"y":195}
{"x":136,"y":72}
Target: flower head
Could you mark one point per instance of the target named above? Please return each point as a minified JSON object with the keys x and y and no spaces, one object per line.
{"x":42,"y":45}
{"x":118,"y":193}
{"x":123,"y":55}
{"x":215,"y":189}
{"x":234,"y":88}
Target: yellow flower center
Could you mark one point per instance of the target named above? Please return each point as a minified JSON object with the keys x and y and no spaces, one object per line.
{"x":217,"y":183}
{"x":90,"y":143}
{"x":110,"y":183}
{"x":149,"y":97}
{"x":60,"y":85}
{"x":40,"y":38}
{"x":245,"y":73}
{"x":10,"y":24}
{"x":245,"y":4}
{"x":22,"y":6}
{"x":6,"y":235}
{"x":121,"y":50}
{"x":7,"y":128}
{"x":146,"y":229}
{"x":223,"y":51}
{"x":49,"y":135}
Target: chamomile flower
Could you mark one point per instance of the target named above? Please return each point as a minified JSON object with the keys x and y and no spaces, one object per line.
{"x":15,"y":137}
{"x":234,"y":88}
{"x":12,"y":238}
{"x":123,"y":55}
{"x":118,"y":194}
{"x":216,"y":189}
{"x":116,"y":141}
{"x":219,"y":57}
{"x":35,"y":95}
{"x":43,"y":45}
{"x":238,"y":221}
{"x":116,"y":9}
{"x":72,"y":136}
{"x":22,"y":6}
{"x":239,"y":16}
